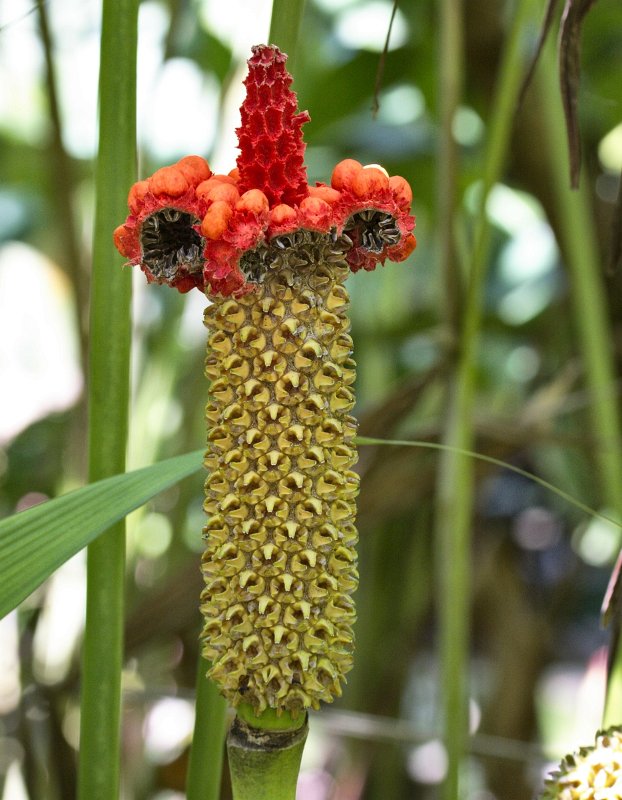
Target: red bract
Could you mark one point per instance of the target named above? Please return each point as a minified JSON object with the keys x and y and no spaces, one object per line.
{"x":190,"y":228}
{"x":162,"y":233}
{"x":270,"y":137}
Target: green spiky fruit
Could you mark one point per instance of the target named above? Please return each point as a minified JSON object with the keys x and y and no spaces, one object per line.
{"x":280,"y":563}
{"x":593,"y":773}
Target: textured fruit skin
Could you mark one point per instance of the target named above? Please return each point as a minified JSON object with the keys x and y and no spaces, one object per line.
{"x":594,"y":773}
{"x":280,"y":564}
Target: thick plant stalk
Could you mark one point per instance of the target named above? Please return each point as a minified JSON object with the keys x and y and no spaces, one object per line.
{"x":272,"y":253}
{"x":455,"y":474}
{"x":594,"y":334}
{"x":109,"y":356}
{"x":206,"y":754}
{"x":451,"y":72}
{"x":265,"y":755}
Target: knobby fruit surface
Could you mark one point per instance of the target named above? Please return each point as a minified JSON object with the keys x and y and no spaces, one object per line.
{"x":593,"y":773}
{"x":280,"y":563}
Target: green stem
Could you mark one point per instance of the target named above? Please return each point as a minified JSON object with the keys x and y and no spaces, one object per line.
{"x":613,"y":700}
{"x":108,"y":402}
{"x":455,"y":477}
{"x":451,"y":69}
{"x":285,"y":26}
{"x":265,"y":754}
{"x":206,"y":754}
{"x":63,"y":179}
{"x":581,"y":253}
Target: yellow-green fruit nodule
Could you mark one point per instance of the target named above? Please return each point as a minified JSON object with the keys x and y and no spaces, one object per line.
{"x":593,"y":773}
{"x":280,"y":563}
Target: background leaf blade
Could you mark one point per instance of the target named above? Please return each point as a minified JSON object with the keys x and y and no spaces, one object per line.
{"x":35,"y":542}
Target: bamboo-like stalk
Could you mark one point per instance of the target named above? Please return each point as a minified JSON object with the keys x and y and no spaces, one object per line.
{"x":108,"y":404}
{"x":206,"y":753}
{"x":455,"y":476}
{"x":591,"y":319}
{"x":450,"y":60}
{"x":265,"y":754}
{"x":451,"y":68}
{"x":63,"y":176}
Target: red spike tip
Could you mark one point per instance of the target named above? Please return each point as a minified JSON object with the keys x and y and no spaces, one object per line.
{"x":270,"y":137}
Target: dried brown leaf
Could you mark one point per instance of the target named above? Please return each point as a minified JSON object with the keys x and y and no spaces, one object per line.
{"x":375,"y":107}
{"x":610,"y":609}
{"x":615,"y":260}
{"x":549,"y":15}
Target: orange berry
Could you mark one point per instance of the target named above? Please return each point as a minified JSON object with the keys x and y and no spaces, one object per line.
{"x":253,"y":200}
{"x":315,"y":213}
{"x":235,"y":174}
{"x":137,"y":195}
{"x":213,"y":190}
{"x":402,"y":250}
{"x":282,"y":215}
{"x":119,"y":239}
{"x":194,"y":168}
{"x":168,"y":180}
{"x":331,"y":196}
{"x":401,"y":191}
{"x":224,"y":178}
{"x":368,"y":182}
{"x":216,"y":219}
{"x":344,"y":173}
{"x":205,"y":186}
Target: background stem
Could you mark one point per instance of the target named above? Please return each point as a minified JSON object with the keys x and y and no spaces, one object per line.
{"x":581,"y":254}
{"x":285,"y":27}
{"x":455,"y":475}
{"x":206,"y":754}
{"x":62,"y":173}
{"x":450,"y":61}
{"x":108,"y":402}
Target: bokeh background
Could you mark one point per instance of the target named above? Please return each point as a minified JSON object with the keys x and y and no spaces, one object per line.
{"x":540,"y":565}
